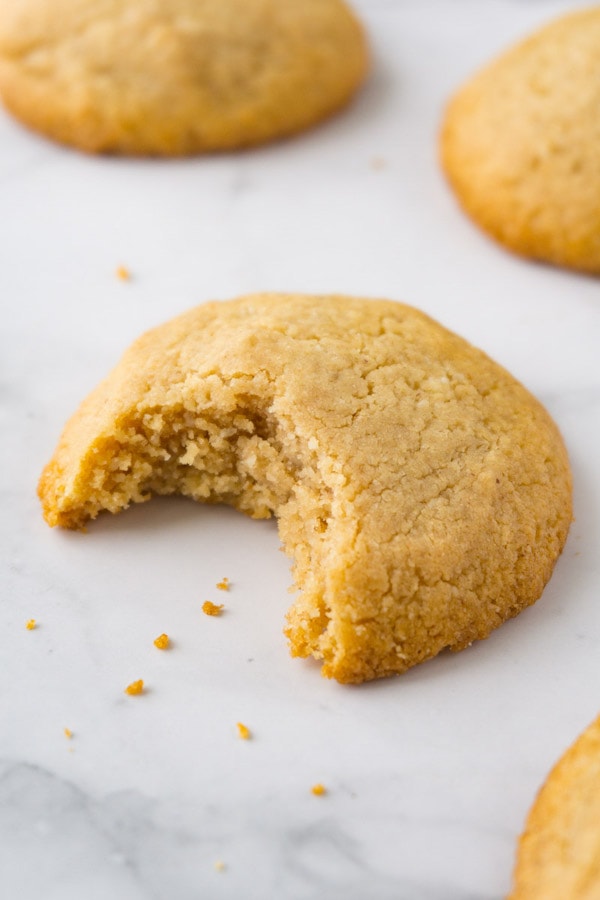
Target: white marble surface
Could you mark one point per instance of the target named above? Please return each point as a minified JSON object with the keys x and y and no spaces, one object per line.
{"x":429,"y":776}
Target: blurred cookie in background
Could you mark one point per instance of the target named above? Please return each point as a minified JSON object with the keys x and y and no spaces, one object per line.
{"x":176,"y":77}
{"x":520,"y":140}
{"x":559,"y":852}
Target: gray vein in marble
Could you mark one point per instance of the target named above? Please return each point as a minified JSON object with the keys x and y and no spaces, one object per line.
{"x":137,"y":848}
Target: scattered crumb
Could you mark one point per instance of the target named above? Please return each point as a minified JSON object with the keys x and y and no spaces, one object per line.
{"x":220,"y":865}
{"x":162,"y":641}
{"x":318,"y":790}
{"x":378,"y":163}
{"x":123,"y":273}
{"x":212,"y":609}
{"x":31,"y":625}
{"x":68,"y":733}
{"x":223,"y":585}
{"x":243,"y":731}
{"x":136,"y":687}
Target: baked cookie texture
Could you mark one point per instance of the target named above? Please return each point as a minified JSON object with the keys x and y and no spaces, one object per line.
{"x":173,"y":77}
{"x":559,"y":852}
{"x":519,"y":144}
{"x":423,"y":494}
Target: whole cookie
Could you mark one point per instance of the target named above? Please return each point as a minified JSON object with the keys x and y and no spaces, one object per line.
{"x":422,"y":493}
{"x":520,"y":144}
{"x":559,"y":852}
{"x":171,"y":77}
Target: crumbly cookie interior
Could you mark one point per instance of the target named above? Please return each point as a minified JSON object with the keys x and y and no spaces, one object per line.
{"x":236,"y":460}
{"x":243,"y":458}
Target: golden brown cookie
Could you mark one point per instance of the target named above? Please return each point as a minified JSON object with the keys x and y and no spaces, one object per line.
{"x":422,"y":493}
{"x":559,"y":852}
{"x":520,"y":140}
{"x":171,"y":77}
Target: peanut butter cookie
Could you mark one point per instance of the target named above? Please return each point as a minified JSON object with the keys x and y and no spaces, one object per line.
{"x":423,"y":494}
{"x":520,"y":144}
{"x":172,"y":77}
{"x":559,"y":852}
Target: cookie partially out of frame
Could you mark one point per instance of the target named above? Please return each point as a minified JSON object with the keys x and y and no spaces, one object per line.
{"x":520,"y":144}
{"x":423,"y":494}
{"x":559,"y":852}
{"x":172,"y":77}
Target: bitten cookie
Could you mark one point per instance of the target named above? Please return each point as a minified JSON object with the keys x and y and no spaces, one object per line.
{"x":422,"y":493}
{"x":520,"y":141}
{"x":172,"y":77}
{"x":559,"y":852}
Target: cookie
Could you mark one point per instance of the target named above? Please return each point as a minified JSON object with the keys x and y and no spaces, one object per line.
{"x":422,"y":493}
{"x":519,"y":145}
{"x":174,"y":77}
{"x":559,"y":852}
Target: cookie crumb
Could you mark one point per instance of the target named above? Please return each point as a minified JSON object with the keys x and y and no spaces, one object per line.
{"x":123,"y":273}
{"x":135,"y":688}
{"x":68,"y":733}
{"x":162,"y":642}
{"x":243,"y":731}
{"x":212,"y":609}
{"x":223,"y":585}
{"x":378,"y":163}
{"x":318,"y":790}
{"x":220,"y":865}
{"x":30,"y":625}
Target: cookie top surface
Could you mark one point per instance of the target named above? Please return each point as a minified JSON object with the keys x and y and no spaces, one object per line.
{"x":519,"y":144}
{"x":559,"y":852}
{"x":172,"y":77}
{"x":423,"y":494}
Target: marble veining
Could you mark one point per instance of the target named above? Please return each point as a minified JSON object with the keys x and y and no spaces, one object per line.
{"x":126,"y":845}
{"x":429,"y":776}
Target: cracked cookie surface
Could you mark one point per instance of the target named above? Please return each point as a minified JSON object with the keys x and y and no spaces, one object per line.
{"x":559,"y":852}
{"x":174,"y":77}
{"x":519,"y":144}
{"x":423,"y":494}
